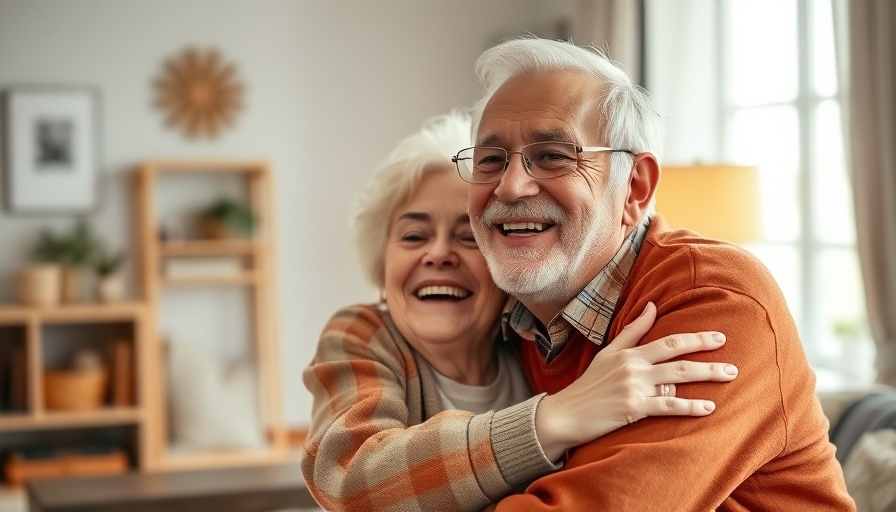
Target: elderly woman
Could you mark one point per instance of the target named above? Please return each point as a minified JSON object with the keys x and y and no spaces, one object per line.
{"x":418,"y":405}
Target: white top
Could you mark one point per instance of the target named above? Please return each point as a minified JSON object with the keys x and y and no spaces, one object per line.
{"x":509,"y":388}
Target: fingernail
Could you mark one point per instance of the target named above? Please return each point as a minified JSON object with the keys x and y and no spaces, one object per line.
{"x":718,"y":337}
{"x":709,"y":406}
{"x":645,"y":309}
{"x":730,"y":369}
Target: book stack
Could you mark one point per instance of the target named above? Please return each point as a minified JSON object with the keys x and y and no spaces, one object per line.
{"x":13,"y":378}
{"x":121,"y":363}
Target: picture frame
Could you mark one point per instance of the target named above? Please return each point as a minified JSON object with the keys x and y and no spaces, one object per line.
{"x":50,"y":148}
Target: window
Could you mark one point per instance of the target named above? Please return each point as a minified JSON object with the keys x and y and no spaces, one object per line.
{"x":780,"y":110}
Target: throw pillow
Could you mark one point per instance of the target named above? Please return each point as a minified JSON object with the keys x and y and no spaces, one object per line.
{"x":870,"y":471}
{"x":212,"y":405}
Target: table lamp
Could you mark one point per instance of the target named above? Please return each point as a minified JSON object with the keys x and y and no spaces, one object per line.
{"x":717,"y":201}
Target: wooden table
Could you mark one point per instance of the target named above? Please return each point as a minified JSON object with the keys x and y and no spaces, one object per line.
{"x":249,"y":489}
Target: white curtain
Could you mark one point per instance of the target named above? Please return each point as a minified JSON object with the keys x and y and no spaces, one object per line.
{"x":615,"y":26}
{"x":866,"y":39}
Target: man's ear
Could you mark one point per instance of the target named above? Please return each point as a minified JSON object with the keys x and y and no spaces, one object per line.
{"x":642,"y":183}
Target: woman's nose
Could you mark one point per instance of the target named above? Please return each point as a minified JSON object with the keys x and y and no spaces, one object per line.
{"x":440,"y":254}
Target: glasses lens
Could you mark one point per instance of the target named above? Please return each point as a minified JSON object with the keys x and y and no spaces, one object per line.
{"x":464,"y":162}
{"x":484,"y":164}
{"x":550,"y":159}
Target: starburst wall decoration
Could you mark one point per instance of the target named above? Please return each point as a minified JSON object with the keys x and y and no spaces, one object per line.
{"x":199,"y":92}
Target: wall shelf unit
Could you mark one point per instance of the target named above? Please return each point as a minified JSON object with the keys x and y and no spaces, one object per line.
{"x":35,"y":341}
{"x":171,"y":265}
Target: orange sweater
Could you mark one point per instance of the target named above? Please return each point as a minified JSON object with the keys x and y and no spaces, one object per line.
{"x":766,"y":445}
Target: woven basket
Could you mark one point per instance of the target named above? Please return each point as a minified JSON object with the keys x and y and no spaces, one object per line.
{"x":75,"y":390}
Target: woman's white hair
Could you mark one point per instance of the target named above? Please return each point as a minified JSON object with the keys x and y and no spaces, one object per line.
{"x":632,"y":120}
{"x":427,"y":151}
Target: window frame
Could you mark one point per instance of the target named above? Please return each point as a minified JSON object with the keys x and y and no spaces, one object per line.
{"x":809,"y":246}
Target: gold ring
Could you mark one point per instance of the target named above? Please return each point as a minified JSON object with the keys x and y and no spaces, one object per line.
{"x":665,"y":390}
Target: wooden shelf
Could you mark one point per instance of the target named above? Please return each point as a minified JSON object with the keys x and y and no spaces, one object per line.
{"x":242,"y":279}
{"x":14,"y":315}
{"x":198,"y":248}
{"x":175,"y":166}
{"x":107,"y":416}
{"x":72,"y":313}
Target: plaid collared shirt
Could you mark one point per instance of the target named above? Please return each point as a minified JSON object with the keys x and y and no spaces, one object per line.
{"x":589,"y":312}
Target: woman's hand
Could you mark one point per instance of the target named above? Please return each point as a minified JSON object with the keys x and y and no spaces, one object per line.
{"x":624,"y":383}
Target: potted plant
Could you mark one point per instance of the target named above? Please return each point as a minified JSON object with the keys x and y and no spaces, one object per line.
{"x":79,"y":247}
{"x":106,"y":265}
{"x":227,"y":218}
{"x":40,"y":282}
{"x":857,"y":348}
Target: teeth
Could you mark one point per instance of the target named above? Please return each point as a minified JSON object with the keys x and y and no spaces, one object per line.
{"x":511,"y":226}
{"x":442,"y":290}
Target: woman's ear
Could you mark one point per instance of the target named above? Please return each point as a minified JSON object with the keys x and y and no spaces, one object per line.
{"x":642,"y":183}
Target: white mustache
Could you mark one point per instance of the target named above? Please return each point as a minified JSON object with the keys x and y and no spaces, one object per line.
{"x":525,"y":208}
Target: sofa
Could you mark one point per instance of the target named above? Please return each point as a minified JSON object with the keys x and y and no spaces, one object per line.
{"x":863,"y":429}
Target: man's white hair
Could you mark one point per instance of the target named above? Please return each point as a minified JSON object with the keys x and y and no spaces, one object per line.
{"x":631,"y":119}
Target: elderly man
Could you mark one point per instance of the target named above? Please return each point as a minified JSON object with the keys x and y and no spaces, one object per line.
{"x":563,"y":175}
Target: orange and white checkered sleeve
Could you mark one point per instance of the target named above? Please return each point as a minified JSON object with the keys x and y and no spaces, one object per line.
{"x":369,"y":447}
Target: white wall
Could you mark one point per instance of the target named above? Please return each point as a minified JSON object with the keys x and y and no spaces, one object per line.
{"x":332,"y":85}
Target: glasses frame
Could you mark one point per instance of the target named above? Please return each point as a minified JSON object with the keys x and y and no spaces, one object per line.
{"x":579,"y":149}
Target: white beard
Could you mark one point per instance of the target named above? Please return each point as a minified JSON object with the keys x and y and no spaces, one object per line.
{"x":525,"y":272}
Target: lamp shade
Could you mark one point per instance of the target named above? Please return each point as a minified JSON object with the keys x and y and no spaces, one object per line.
{"x":717,"y":201}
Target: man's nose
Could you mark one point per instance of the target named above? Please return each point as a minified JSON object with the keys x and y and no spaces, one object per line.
{"x":515,"y":183}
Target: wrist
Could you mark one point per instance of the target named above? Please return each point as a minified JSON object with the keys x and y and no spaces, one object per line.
{"x":553,"y":428}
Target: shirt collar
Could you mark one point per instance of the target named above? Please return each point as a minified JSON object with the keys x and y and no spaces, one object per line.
{"x":589,"y":312}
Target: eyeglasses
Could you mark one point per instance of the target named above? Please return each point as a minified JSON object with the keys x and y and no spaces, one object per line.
{"x":542,"y":160}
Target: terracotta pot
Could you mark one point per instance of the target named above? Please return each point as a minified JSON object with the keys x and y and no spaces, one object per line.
{"x":40,"y":284}
{"x":213,"y":229}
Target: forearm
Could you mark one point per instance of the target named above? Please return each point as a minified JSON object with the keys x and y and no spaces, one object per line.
{"x":364,"y":468}
{"x":369,"y":445}
{"x":515,"y":442}
{"x":462,"y":461}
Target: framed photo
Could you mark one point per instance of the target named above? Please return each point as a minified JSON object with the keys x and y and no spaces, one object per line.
{"x":50,"y":149}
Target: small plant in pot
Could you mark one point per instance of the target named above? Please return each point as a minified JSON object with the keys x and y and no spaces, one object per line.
{"x":227,"y":218}
{"x":50,"y":248}
{"x":58,"y":271}
{"x":79,"y":247}
{"x":40,"y":282}
{"x":109,"y":283}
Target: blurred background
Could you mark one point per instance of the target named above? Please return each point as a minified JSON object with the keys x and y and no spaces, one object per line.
{"x":327,"y":88}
